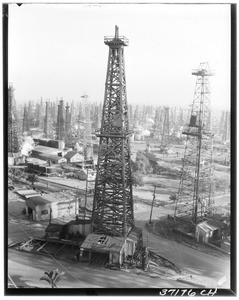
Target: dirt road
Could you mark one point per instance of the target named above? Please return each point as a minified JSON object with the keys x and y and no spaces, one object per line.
{"x":205,"y":268}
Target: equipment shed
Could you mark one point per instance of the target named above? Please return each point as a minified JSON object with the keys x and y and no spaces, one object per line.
{"x":207,"y":232}
{"x":49,"y":206}
{"x":111,"y":249}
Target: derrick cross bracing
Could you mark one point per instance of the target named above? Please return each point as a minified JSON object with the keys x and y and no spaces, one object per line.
{"x":113,"y":201}
{"x":165,"y":131}
{"x":195,"y":193}
{"x":13,"y":123}
{"x":86,"y":132}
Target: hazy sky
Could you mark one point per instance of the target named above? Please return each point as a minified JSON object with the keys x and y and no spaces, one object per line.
{"x":59,"y":51}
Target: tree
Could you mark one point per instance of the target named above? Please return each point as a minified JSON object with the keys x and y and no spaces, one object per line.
{"x":53,"y":277}
{"x":173,"y":197}
{"x":15,"y":173}
{"x":32,"y":178}
{"x":142,"y":164}
{"x":137,"y":179}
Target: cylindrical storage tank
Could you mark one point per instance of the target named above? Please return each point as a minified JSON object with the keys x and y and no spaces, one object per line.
{"x":50,"y":170}
{"x":137,"y":137}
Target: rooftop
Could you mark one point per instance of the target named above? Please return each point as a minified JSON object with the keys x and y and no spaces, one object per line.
{"x":70,"y":154}
{"x":45,"y":149}
{"x":205,"y":226}
{"x":103,"y":243}
{"x":72,"y":183}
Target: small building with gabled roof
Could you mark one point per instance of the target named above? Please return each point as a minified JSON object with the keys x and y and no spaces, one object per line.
{"x":207,"y":231}
{"x":73,"y":157}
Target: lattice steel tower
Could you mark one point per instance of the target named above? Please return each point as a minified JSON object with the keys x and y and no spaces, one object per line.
{"x":113,"y":201}
{"x":165,"y":131}
{"x":25,"y":125}
{"x":60,"y":126}
{"x":195,"y":192}
{"x":158,"y":124}
{"x":86,"y":130}
{"x":13,"y":123}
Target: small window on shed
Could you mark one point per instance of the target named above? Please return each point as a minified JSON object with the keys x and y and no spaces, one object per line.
{"x":102,"y":240}
{"x":44,"y":212}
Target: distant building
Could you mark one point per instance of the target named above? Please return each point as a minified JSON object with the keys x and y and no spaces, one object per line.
{"x":11,"y":159}
{"x":55,"y":159}
{"x":57,"y":144}
{"x":73,"y":156}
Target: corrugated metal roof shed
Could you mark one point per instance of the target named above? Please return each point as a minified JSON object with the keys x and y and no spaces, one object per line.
{"x":32,"y":202}
{"x":103,"y":243}
{"x":28,"y":193}
{"x":207,"y":227}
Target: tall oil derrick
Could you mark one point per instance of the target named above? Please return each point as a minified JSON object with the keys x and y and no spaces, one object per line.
{"x":96,"y":118}
{"x":30,"y":109}
{"x":73,"y":113}
{"x":173,"y":120}
{"x":86,"y":130}
{"x":158,"y":124}
{"x":92,"y":112}
{"x":67,"y":131}
{"x":222,"y":123}
{"x":113,"y":201}
{"x":31,"y":116}
{"x":53,"y":118}
{"x":136,"y":116}
{"x":13,"y":128}
{"x":226,"y":127}
{"x":60,"y":126}
{"x":150,"y":111}
{"x":143,"y":115}
{"x":25,"y":124}
{"x":130,"y":110}
{"x":37,"y":116}
{"x":47,"y":121}
{"x":165,"y":130}
{"x":180,"y":121}
{"x":40,"y":115}
{"x":195,"y":193}
{"x":100,"y":113}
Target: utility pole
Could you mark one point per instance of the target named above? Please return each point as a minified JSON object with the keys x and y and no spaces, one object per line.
{"x":150,"y":219}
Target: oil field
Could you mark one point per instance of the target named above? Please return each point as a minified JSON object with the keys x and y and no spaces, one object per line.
{"x":118,"y":195}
